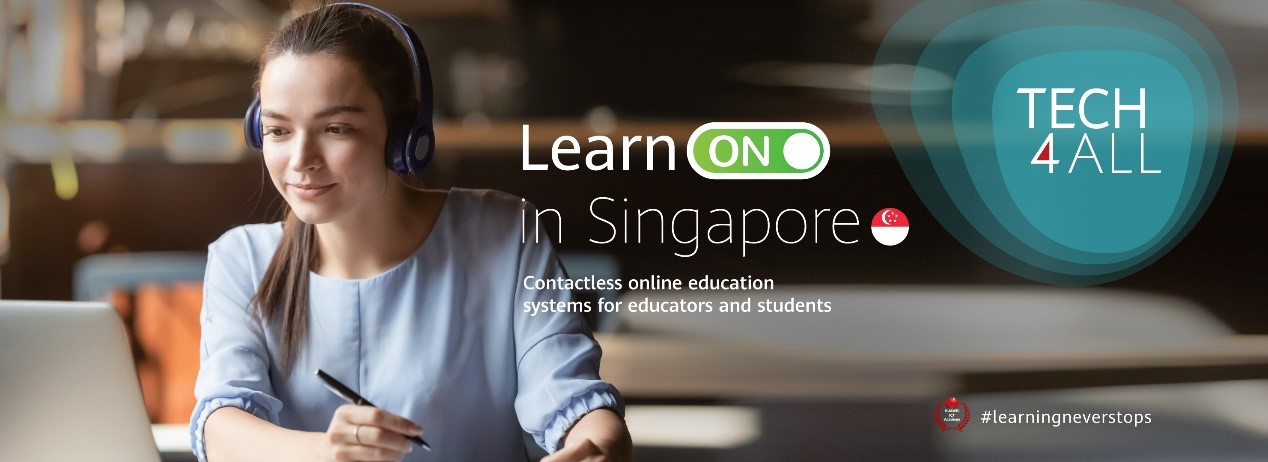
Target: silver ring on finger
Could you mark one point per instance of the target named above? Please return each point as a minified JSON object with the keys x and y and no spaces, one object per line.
{"x":357,"y":435}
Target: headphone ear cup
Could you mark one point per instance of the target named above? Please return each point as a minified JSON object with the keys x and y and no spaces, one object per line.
{"x":409,"y":148}
{"x":418,"y":149}
{"x":251,"y":126}
{"x":425,"y":148}
{"x":396,"y":147}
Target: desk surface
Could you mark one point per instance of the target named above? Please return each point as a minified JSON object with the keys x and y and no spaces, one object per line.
{"x":647,"y":366}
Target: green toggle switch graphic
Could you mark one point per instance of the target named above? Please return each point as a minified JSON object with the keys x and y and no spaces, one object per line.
{"x":758,"y":150}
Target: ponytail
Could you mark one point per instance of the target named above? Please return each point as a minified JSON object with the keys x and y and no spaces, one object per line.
{"x":283,"y":293}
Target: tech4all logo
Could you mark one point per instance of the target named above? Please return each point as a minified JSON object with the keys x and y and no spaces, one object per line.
{"x":951,"y":415}
{"x":1070,"y":142}
{"x":1086,"y":128}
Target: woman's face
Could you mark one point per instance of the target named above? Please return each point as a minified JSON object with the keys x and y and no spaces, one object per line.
{"x":324,"y":134}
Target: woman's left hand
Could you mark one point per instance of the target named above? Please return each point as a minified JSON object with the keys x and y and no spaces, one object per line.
{"x":600,"y":436}
{"x":580,"y":451}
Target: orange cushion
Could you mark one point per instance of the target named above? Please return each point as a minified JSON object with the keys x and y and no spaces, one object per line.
{"x":167,"y":329}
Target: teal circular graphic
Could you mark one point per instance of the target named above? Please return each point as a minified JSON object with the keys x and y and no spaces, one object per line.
{"x":1077,"y":142}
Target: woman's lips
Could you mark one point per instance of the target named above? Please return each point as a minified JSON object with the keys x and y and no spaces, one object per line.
{"x":309,"y":191}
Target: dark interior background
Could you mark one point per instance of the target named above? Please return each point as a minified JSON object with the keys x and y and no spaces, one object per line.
{"x":560,"y":60}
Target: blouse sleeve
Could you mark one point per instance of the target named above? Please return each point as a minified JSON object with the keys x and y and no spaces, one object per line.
{"x":235,"y":368}
{"x":558,"y":359}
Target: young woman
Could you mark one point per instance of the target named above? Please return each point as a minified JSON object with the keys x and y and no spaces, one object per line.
{"x":410,"y":297}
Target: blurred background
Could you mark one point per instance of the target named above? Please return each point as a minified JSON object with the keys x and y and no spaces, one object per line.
{"x":121,"y":158}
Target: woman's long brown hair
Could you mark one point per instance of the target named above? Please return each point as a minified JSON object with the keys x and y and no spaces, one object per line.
{"x":358,"y":36}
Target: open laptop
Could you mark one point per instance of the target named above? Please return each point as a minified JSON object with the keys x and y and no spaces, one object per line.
{"x":68,"y":387}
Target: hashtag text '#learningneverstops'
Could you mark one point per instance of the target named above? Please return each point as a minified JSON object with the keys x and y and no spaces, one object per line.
{"x":1056,"y":419}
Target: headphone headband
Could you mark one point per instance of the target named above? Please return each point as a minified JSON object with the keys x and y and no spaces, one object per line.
{"x":422,"y":72}
{"x":410,"y":143}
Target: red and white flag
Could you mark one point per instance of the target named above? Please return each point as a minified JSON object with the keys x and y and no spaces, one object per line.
{"x":889,"y":226}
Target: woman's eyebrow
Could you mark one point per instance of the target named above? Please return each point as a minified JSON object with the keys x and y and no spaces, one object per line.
{"x":267,"y":114}
{"x":327,"y":112}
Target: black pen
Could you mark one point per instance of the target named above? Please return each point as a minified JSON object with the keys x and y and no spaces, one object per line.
{"x":352,"y":397}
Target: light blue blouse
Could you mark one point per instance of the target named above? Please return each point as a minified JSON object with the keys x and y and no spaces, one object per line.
{"x":441,"y":338}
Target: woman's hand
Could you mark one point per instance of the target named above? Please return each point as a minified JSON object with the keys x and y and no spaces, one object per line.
{"x":581,"y":451}
{"x":364,"y":433}
{"x":600,"y":436}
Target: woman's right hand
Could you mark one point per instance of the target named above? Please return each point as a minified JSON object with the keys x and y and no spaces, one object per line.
{"x":364,"y":433}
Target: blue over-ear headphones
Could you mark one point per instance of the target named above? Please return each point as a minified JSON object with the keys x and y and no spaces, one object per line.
{"x":410,"y":143}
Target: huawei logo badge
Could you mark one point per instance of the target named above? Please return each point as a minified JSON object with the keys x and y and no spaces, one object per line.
{"x":951,"y":415}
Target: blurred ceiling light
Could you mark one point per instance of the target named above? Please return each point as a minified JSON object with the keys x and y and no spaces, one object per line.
{"x":110,"y":56}
{"x":110,"y":14}
{"x":95,"y":140}
{"x":246,"y":41}
{"x":714,"y":427}
{"x":65,"y":178}
{"x":137,"y":22}
{"x":43,"y":74}
{"x":198,"y":141}
{"x":601,"y":120}
{"x":31,"y":141}
{"x":179,"y":27}
{"x":213,"y":35}
{"x":883,"y":84}
{"x":18,"y":99}
{"x":846,"y":77}
{"x":484,"y":82}
{"x":883,"y":78}
{"x":110,"y":43}
{"x":55,"y":38}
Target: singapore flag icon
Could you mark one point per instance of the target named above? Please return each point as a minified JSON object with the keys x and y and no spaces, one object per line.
{"x":889,"y":226}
